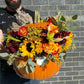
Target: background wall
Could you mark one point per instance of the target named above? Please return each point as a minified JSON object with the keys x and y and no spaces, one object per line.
{"x":72,"y":70}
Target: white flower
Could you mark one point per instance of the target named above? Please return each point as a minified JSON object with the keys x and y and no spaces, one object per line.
{"x":41,"y":60}
{"x":49,"y":28}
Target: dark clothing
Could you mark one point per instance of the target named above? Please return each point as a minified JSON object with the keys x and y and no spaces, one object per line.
{"x":6,"y":19}
{"x":12,"y":78}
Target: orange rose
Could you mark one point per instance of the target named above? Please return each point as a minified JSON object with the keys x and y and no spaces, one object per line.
{"x":23,"y":31}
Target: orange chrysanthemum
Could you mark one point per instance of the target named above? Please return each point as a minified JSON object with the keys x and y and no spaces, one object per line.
{"x":51,"y":48}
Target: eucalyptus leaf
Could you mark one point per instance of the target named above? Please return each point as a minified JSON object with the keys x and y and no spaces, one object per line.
{"x":62,"y":60}
{"x":10,"y":61}
{"x":27,"y":69}
{"x":45,"y":62}
{"x":32,"y":68}
{"x":4,"y":54}
{"x":48,"y":51}
{"x":31,"y":64}
{"x":62,"y":54}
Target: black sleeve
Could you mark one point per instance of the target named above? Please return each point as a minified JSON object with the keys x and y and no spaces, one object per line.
{"x":0,"y":18}
{"x":1,"y":14}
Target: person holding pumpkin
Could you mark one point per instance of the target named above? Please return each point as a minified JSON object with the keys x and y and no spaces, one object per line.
{"x":7,"y":16}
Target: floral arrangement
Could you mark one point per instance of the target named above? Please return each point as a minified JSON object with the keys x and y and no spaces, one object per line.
{"x":41,"y":42}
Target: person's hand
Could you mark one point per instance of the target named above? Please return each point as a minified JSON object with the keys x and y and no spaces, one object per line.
{"x":1,"y":39}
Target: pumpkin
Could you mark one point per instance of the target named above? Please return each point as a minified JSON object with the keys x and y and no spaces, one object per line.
{"x":41,"y":72}
{"x":44,"y":25}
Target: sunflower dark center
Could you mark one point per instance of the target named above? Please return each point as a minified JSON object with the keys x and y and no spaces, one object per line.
{"x":29,"y":47}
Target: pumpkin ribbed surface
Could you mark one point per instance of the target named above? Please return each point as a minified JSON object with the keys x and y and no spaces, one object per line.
{"x":41,"y":73}
{"x":42,"y":25}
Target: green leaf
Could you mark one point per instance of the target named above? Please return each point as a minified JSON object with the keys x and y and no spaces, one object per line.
{"x":4,"y":54}
{"x":75,"y":17}
{"x":54,"y":21}
{"x":27,"y":69}
{"x":10,"y":61}
{"x":62,"y":60}
{"x":48,"y":51}
{"x":62,"y":54}
{"x":37,"y":17}
{"x":59,"y":25}
{"x":59,"y":17}
{"x":50,"y":36}
{"x":8,"y":29}
{"x":31,"y":64}
{"x":58,"y":12}
{"x":73,"y":47}
{"x":12,"y":38}
{"x":36,"y":36}
{"x":63,"y":18}
{"x":45,"y":62}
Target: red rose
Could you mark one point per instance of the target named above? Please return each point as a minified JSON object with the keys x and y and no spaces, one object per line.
{"x":23,"y":31}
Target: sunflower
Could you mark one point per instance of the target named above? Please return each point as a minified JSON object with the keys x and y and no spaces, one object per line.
{"x":27,"y":48}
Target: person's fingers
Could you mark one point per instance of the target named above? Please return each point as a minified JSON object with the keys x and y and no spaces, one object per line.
{"x":1,"y":36}
{"x":1,"y":46}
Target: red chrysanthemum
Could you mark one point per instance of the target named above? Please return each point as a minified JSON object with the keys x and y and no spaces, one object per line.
{"x":12,"y":46}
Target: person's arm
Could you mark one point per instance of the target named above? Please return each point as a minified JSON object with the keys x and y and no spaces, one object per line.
{"x":2,"y":48}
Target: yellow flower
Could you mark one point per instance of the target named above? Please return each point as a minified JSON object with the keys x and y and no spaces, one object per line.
{"x":71,"y":34}
{"x":39,"y":48}
{"x":67,"y":44}
{"x":28,"y":48}
{"x":7,"y":42}
{"x":60,"y":49}
{"x":41,"y":21}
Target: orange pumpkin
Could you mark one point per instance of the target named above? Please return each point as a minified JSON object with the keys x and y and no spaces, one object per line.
{"x":41,"y":73}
